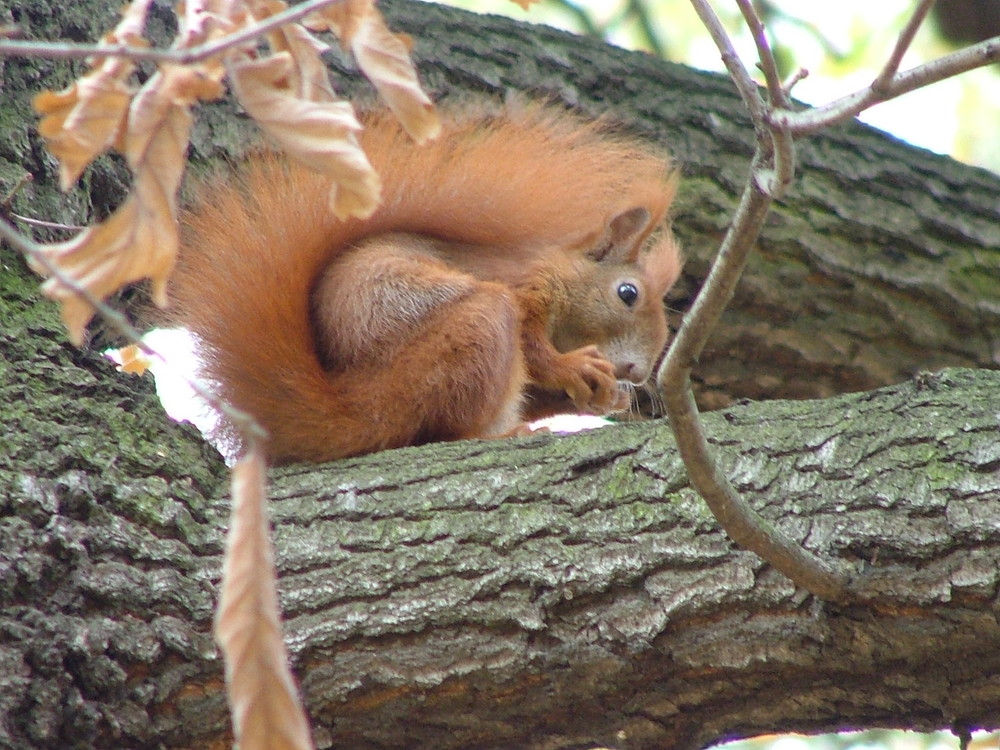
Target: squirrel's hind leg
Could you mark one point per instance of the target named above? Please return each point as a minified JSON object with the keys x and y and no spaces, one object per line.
{"x":437,"y":351}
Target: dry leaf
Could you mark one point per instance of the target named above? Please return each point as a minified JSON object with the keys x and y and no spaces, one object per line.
{"x":524,"y":4}
{"x":384,"y":57}
{"x":309,"y":77}
{"x":205,"y":20}
{"x":320,"y":135}
{"x":139,"y":240}
{"x":83,"y":121}
{"x":267,"y":713}
{"x":86,"y":119}
{"x":130,"y":359}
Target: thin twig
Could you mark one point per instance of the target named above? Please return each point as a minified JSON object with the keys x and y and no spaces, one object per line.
{"x":903,"y":43}
{"x":774,"y":147}
{"x":742,"y":524}
{"x":8,"y":200}
{"x":39,"y":223}
{"x":773,"y":175}
{"x":247,"y":425}
{"x":741,"y":77}
{"x":767,"y":62}
{"x":736,"y":517}
{"x":793,"y":79}
{"x":773,"y":178}
{"x":63,"y":50}
{"x":815,"y":119}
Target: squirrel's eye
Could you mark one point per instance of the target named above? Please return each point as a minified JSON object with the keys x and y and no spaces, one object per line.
{"x":628,"y":293}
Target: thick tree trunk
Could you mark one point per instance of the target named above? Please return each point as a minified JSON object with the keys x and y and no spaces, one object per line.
{"x":536,"y":593}
{"x":550,"y":591}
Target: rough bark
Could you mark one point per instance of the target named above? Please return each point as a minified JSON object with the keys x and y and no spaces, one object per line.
{"x":537,"y":593}
{"x":552,"y":591}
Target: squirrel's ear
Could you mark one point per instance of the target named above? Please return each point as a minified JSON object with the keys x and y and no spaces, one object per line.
{"x":623,"y":236}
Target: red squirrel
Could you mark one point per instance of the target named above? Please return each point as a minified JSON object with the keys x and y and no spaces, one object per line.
{"x":515,"y":267}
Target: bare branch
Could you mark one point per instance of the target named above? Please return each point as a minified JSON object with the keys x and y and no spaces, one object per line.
{"x":63,"y":50}
{"x":741,"y":77}
{"x":794,"y":78}
{"x":741,"y":523}
{"x":47,"y":224}
{"x":964,"y":60}
{"x":772,"y":171}
{"x":902,"y":45}
{"x":767,"y":63}
{"x":774,"y":181}
{"x":8,"y":200}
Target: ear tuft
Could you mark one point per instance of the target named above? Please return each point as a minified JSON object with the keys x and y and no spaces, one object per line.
{"x":623,"y":236}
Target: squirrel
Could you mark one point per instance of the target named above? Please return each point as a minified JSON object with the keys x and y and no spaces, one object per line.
{"x":515,"y":268}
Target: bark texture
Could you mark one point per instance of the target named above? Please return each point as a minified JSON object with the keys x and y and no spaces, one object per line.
{"x":545,"y":592}
{"x":534,"y":593}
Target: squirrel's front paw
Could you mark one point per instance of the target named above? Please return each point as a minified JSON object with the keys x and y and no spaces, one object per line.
{"x":589,"y":381}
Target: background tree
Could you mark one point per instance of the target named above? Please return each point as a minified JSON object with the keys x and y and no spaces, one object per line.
{"x":625,"y":619}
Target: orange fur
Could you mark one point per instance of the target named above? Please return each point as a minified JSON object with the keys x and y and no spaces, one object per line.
{"x":342,"y":338}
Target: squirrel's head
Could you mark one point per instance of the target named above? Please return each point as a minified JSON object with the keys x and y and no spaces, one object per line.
{"x":614,"y":294}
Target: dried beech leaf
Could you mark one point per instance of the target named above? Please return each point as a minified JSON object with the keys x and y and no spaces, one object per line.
{"x":309,"y":77}
{"x":266,"y":710}
{"x":129,"y":29}
{"x":341,"y":18}
{"x":131,"y":359}
{"x":83,"y":121}
{"x":136,"y":241}
{"x":384,"y":57}
{"x":86,"y":119}
{"x":160,"y":120}
{"x":139,"y":240}
{"x":320,"y":135}
{"x":205,"y":20}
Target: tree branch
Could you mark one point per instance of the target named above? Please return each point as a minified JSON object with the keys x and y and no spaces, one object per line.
{"x":771,"y":173}
{"x":816,"y":118}
{"x":736,"y":517}
{"x":198,"y":53}
{"x":732,"y":512}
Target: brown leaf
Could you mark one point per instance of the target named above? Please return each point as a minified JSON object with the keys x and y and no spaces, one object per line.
{"x":139,"y":240}
{"x":384,"y":57}
{"x":320,"y":135}
{"x":267,"y":713}
{"x":131,"y":359}
{"x":85,"y":120}
{"x":309,"y":77}
{"x":202,"y":21}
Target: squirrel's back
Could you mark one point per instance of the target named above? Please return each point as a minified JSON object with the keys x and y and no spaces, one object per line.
{"x":255,"y":241}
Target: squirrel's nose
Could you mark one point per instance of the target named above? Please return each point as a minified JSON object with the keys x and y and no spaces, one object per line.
{"x":630,"y":371}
